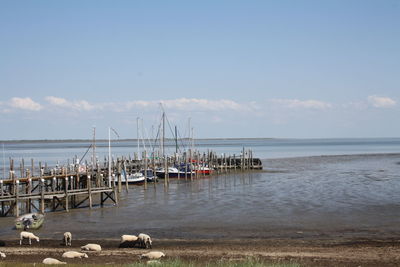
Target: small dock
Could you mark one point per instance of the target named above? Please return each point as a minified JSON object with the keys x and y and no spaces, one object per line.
{"x":42,"y":188}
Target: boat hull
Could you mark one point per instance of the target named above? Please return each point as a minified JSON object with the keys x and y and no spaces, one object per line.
{"x":36,"y":220}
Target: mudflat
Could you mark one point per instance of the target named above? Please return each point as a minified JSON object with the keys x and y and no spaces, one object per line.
{"x":343,"y":252}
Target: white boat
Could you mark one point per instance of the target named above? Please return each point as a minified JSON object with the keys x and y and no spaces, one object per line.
{"x":134,"y":178}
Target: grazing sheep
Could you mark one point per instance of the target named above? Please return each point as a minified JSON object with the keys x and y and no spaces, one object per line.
{"x":67,"y":238}
{"x":128,"y":241}
{"x":2,"y":255}
{"x":128,"y":238}
{"x":91,"y":247}
{"x":27,"y":235}
{"x":74,"y":254}
{"x":144,"y":241}
{"x":52,"y":261}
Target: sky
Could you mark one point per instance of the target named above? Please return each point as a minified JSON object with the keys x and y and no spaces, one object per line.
{"x":235,"y":69}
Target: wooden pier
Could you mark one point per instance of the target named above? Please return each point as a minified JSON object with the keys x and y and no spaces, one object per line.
{"x":43,"y":189}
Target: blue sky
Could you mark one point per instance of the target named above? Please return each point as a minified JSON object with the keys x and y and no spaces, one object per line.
{"x":299,"y":69}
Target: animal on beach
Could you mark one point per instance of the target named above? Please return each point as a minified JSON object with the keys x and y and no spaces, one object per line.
{"x":67,"y":239}
{"x":27,"y":235}
{"x":152,"y":255}
{"x":74,"y":254}
{"x":144,"y":241}
{"x":2,"y":255}
{"x":53,"y":261}
{"x":91,"y":247}
{"x":128,"y":240}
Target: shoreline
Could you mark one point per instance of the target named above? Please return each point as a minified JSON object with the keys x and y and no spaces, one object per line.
{"x":315,"y":252}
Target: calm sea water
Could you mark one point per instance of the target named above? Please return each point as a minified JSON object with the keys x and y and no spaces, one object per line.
{"x":311,"y":188}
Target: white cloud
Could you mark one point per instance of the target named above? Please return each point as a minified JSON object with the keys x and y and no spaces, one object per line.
{"x":307,"y":104}
{"x":190,"y":104}
{"x":381,"y":101}
{"x":25,"y":103}
{"x":76,"y":105}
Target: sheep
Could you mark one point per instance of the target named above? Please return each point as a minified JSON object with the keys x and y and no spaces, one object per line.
{"x":153,"y":255}
{"x":144,"y":241}
{"x":128,"y":238}
{"x":74,"y":254}
{"x":67,"y":238}
{"x":53,"y":261}
{"x":2,"y":255}
{"x":27,"y":235}
{"x":92,"y":247}
{"x":128,"y":241}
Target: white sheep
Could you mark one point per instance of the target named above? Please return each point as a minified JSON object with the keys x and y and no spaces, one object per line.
{"x":52,"y":261}
{"x":74,"y":254}
{"x":2,"y":255}
{"x":27,"y":235}
{"x":144,"y":240}
{"x":153,"y":255}
{"x":128,"y":238}
{"x":67,"y":238}
{"x":92,"y":247}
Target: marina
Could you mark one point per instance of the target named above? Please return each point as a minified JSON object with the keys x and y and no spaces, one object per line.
{"x":44,"y":188}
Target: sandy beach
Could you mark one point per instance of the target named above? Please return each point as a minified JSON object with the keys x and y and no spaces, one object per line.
{"x":304,"y":252}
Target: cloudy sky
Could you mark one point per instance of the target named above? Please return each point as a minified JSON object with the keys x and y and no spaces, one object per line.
{"x":291,"y":69}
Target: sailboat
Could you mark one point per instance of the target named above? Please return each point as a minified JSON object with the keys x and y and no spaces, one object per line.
{"x":133,"y":178}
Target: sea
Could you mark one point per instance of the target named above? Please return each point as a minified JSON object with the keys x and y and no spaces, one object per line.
{"x":308,"y":188}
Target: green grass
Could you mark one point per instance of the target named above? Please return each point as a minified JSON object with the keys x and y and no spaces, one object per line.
{"x":251,"y":262}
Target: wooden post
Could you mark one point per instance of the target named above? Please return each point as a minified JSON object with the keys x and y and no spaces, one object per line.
{"x":89,"y":187}
{"x":28,"y":192}
{"x":41,"y":194}
{"x":119,"y":176}
{"x":16,"y":198}
{"x":1,"y":194}
{"x":154,"y":169}
{"x":126,"y":177}
{"x":145,"y":169}
{"x":165,"y":172}
{"x":66,"y":194}
{"x":32,"y":169}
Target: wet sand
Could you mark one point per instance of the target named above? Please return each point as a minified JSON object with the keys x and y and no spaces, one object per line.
{"x":344,"y":252}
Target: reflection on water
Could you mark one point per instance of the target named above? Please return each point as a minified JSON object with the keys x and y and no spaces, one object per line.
{"x":324,"y":195}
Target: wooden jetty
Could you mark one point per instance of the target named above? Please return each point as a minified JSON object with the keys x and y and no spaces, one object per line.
{"x":44,"y":189}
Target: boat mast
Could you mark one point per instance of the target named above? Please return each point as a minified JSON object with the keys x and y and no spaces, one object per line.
{"x":188,"y":139}
{"x":176,"y":140}
{"x":94,"y":148}
{"x":137,"y":136}
{"x":163,"y":135}
{"x":109,"y":156}
{"x":4,"y":164}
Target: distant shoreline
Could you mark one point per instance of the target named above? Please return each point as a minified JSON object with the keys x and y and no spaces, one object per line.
{"x":172,"y":139}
